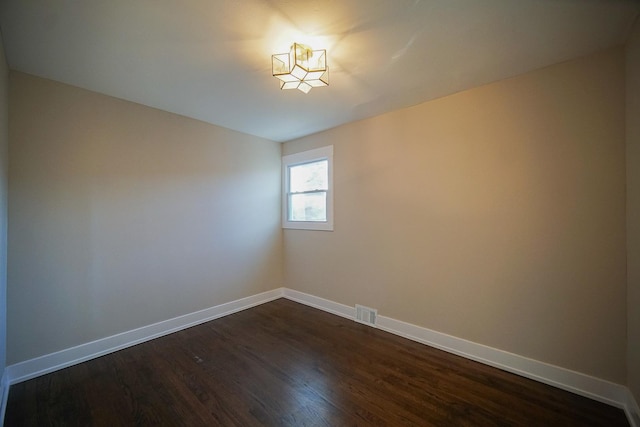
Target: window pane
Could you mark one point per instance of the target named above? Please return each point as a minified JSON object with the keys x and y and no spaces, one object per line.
{"x":308,"y":207}
{"x":309,"y":177}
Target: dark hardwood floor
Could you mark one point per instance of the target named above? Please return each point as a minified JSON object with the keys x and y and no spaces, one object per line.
{"x":285,"y":364}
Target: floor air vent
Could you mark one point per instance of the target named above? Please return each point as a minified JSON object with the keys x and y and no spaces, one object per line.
{"x":366,"y":315}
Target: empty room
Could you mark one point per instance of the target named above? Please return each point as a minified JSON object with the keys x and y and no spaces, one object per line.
{"x":320,"y":212}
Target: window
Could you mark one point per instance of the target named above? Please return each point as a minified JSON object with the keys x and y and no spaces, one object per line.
{"x":307,"y":201}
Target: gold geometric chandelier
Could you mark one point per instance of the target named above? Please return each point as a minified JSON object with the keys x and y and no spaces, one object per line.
{"x":302,"y":68}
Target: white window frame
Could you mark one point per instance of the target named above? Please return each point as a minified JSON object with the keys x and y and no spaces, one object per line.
{"x":323,"y":153}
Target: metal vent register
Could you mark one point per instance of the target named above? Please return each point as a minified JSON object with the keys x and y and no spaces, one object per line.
{"x":366,"y":315}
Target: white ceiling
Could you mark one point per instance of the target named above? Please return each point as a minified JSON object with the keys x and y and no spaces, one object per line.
{"x":211,"y":59}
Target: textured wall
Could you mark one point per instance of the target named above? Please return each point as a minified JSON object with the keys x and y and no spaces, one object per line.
{"x":496,"y":215}
{"x":121,"y":216}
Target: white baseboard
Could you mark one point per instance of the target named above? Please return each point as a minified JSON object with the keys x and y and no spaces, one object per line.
{"x":52,"y":362}
{"x":632,"y":410}
{"x":575,"y":382}
{"x":4,"y":395}
{"x":320,"y":303}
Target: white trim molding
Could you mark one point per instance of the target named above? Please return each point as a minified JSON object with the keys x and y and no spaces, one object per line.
{"x":632,"y":410}
{"x":4,"y":395}
{"x":575,"y":382}
{"x":320,"y":303}
{"x":585,"y":385}
{"x":297,"y":159}
{"x":61,"y":359}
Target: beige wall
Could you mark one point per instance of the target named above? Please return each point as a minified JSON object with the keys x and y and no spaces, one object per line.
{"x":496,"y":215}
{"x":121,"y":216}
{"x":4,"y":142}
{"x":633,"y":211}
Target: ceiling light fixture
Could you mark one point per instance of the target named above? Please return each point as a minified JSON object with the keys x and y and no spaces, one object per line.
{"x":302,"y":68}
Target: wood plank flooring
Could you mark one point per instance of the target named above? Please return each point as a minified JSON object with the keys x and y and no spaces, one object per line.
{"x":285,"y":364}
